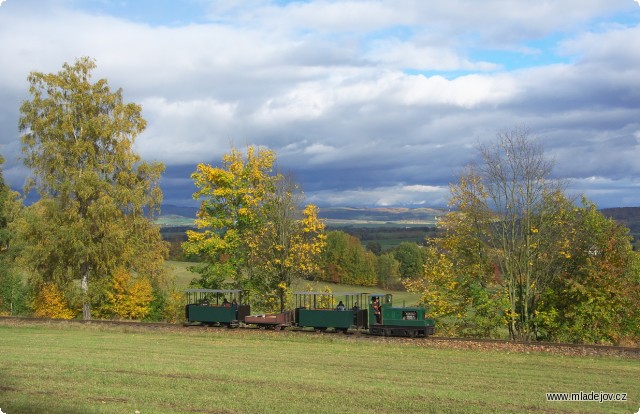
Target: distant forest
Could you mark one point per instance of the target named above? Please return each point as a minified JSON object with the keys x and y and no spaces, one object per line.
{"x":628,"y":216}
{"x":388,"y":235}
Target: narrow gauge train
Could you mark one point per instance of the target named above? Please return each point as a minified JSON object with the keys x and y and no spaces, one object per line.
{"x":315,"y":310}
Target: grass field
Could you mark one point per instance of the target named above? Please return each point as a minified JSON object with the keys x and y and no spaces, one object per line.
{"x":179,"y":271}
{"x":73,"y":369}
{"x":183,"y":277}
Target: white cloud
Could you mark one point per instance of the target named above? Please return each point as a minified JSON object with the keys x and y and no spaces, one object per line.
{"x":465,"y":91}
{"x":400,"y":195}
{"x":408,"y":55}
{"x":315,"y":149}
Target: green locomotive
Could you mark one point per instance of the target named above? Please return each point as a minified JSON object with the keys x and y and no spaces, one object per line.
{"x":397,"y":321}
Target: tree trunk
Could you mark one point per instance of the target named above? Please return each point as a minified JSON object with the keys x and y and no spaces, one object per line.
{"x":86,"y":305}
{"x":281,"y":300}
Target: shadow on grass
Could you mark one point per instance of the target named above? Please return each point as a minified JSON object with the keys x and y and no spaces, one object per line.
{"x":30,"y":408}
{"x":17,"y":400}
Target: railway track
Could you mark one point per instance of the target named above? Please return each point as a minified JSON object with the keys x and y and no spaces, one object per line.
{"x":431,"y":341}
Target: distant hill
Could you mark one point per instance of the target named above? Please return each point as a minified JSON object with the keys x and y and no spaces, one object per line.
{"x":380,"y":215}
{"x":332,"y":215}
{"x":171,"y":210}
{"x":627,"y":216}
{"x":180,"y":215}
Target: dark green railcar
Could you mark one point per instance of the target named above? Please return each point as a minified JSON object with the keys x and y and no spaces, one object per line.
{"x":216,"y":307}
{"x":322,"y":310}
{"x":387,"y":320}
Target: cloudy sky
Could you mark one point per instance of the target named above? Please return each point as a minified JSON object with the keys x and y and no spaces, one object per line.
{"x":367,"y":103}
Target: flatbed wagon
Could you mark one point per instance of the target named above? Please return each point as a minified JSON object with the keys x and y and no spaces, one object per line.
{"x":275,"y":321}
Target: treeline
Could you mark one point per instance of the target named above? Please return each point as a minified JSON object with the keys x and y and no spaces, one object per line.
{"x":367,"y":234}
{"x":345,"y":260}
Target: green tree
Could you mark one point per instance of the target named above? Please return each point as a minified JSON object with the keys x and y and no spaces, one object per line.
{"x":506,"y":195}
{"x":388,"y":271}
{"x":411,"y":258}
{"x":596,"y":296}
{"x":374,"y":247}
{"x":12,"y":291}
{"x":500,"y":240}
{"x":97,"y":197}
{"x":347,"y":261}
{"x":515,"y":248}
{"x":5,"y":212}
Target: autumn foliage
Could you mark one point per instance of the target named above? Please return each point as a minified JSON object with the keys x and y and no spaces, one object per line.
{"x":252,"y":233}
{"x":51,"y":303}
{"x":346,"y":261}
{"x":519,"y":256}
{"x":128,"y":298}
{"x":97,"y":197}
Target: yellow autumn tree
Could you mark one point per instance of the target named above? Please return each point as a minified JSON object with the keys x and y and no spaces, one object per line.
{"x":252,"y":229}
{"x":127,"y":298}
{"x":173,"y":311}
{"x":439,"y":286}
{"x":231,"y":202}
{"x":51,"y":303}
{"x":289,"y":247}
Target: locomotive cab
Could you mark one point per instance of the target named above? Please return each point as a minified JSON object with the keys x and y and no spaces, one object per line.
{"x":377,"y":303}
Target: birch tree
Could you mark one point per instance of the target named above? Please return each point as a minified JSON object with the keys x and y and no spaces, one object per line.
{"x":11,"y":288}
{"x":516,"y":178}
{"x":97,"y":197}
{"x":502,"y":215}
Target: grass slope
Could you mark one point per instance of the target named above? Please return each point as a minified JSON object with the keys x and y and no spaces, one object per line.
{"x":65,"y":368}
{"x":183,"y":277}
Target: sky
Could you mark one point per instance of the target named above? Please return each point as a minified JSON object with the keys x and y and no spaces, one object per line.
{"x":366,"y":103}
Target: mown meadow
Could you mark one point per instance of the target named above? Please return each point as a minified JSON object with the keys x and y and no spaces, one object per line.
{"x":72,"y":368}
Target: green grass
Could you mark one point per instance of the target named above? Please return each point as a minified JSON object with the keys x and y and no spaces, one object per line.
{"x":388,"y":244}
{"x":183,"y":277}
{"x":175,"y":221}
{"x":399,"y":297}
{"x":179,"y":271}
{"x":71,"y":368}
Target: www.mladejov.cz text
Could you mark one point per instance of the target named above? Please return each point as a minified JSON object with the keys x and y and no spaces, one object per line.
{"x":592,"y":396}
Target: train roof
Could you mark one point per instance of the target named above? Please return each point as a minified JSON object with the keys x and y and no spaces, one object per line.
{"x":331,"y":293}
{"x":212,"y":291}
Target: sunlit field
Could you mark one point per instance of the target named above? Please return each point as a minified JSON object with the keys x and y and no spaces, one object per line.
{"x":73,"y":368}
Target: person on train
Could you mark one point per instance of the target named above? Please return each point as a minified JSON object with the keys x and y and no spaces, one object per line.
{"x":376,"y":310}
